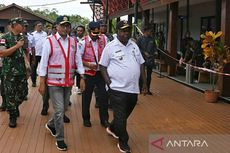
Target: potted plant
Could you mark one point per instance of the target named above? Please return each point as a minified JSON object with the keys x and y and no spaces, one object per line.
{"x":216,"y":55}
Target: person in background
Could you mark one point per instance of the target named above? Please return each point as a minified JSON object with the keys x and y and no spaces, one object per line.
{"x":79,"y":37}
{"x":103,"y":30}
{"x":121,"y":65}
{"x":58,"y":66}
{"x":148,"y":49}
{"x":80,"y":33}
{"x":91,"y":49}
{"x":39,"y":38}
{"x":14,"y":70}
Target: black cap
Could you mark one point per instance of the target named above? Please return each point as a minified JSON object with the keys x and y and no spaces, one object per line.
{"x":93,"y":25}
{"x":122,"y":25}
{"x":17,"y":20}
{"x":62,"y":19}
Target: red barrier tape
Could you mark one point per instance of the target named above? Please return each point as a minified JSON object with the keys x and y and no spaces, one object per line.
{"x":194,"y":67}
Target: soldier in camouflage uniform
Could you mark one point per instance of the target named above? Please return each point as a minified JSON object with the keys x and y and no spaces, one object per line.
{"x":13,"y":69}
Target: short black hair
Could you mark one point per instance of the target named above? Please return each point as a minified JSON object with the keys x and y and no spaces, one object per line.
{"x":81,"y":26}
{"x":37,"y":22}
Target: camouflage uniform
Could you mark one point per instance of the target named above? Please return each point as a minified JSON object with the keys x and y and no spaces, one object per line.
{"x":14,"y":75}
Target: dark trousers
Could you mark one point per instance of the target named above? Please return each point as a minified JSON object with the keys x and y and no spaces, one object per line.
{"x":78,"y":78}
{"x":90,"y":83}
{"x":149,"y":70}
{"x":2,"y":90}
{"x":123,"y":105}
{"x":34,"y":69}
{"x":45,"y":99}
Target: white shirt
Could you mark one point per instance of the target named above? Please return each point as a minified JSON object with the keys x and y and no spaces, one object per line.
{"x":31,"y":41}
{"x":39,"y":40}
{"x":46,"y":53}
{"x":123,"y":65}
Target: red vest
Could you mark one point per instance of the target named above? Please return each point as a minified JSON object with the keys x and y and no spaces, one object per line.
{"x":61,"y":67}
{"x":89,"y":53}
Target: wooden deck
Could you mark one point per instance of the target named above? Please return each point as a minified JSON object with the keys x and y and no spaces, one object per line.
{"x":173,"y":109}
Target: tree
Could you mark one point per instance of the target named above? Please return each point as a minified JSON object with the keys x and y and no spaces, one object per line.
{"x":53,"y":14}
{"x":2,"y":5}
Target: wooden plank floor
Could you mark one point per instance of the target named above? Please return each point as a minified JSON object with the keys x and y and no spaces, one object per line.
{"x":173,"y":109}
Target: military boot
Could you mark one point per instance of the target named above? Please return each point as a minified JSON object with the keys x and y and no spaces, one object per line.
{"x":13,"y":122}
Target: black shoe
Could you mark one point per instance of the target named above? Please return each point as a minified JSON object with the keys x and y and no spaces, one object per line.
{"x":87,"y":123}
{"x":13,"y":122}
{"x":149,"y":93}
{"x":105,"y":124}
{"x":110,"y":132}
{"x":61,"y":145}
{"x":44,"y":112}
{"x":123,"y":147}
{"x":51,"y":130}
{"x":34,"y":85}
{"x":66,"y":119}
{"x":70,"y":103}
{"x":2,"y":108}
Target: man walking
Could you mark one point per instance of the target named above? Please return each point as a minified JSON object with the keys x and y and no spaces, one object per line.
{"x":14,"y":70}
{"x":39,"y":39}
{"x":121,"y":64}
{"x":91,"y":49}
{"x":57,"y":69}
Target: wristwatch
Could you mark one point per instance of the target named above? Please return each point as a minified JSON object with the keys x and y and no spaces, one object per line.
{"x":83,"y":76}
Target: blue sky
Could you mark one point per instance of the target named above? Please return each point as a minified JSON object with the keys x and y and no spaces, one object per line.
{"x":68,"y":8}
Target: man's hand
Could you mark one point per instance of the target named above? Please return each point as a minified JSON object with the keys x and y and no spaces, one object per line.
{"x":42,"y":86}
{"x":93,"y":66}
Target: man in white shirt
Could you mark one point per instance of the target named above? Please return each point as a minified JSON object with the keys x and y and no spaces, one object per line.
{"x":39,"y":40}
{"x":57,"y":69}
{"x":121,"y":65}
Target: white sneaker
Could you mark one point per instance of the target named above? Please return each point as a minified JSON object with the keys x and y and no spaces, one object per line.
{"x":111,"y":133}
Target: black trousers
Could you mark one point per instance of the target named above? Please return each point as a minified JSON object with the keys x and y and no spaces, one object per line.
{"x":149,"y":70}
{"x":123,"y":105}
{"x":78,"y":78}
{"x":34,"y":69}
{"x":90,"y":83}
{"x":45,"y":99}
